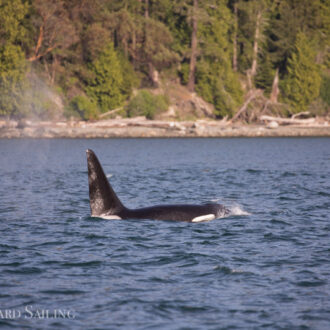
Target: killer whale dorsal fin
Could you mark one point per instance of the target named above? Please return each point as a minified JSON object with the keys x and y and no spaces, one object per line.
{"x":102,"y":198}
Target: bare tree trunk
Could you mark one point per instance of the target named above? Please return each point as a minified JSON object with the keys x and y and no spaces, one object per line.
{"x":125,"y":46}
{"x":40,"y":37}
{"x":249,"y":79}
{"x":47,"y":70}
{"x":275,"y":89}
{"x":37,"y":55}
{"x":235,"y":37}
{"x":146,"y":8}
{"x":256,"y":45}
{"x":192,"y":67}
{"x":134,"y":49}
{"x":39,"y":42}
{"x":34,"y":58}
{"x":153,"y":75}
{"x":54,"y":68}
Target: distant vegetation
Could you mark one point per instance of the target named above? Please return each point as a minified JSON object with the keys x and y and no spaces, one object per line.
{"x":146,"y":104}
{"x":84,"y":58}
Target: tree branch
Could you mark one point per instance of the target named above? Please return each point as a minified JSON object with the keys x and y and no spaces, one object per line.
{"x":36,"y":57}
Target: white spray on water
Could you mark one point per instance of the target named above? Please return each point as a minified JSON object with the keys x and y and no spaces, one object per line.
{"x":234,"y":208}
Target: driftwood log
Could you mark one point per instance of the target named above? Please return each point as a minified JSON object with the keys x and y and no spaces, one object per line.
{"x":102,"y":115}
{"x":288,"y":121}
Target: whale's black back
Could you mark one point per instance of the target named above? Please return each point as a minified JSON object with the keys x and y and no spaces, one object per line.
{"x":176,"y":212}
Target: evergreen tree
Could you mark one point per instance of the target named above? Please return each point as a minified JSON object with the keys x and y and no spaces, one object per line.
{"x":303,"y":81}
{"x":207,"y":44}
{"x":106,"y":85}
{"x":155,"y":50}
{"x":12,"y":58}
{"x":292,"y":16}
{"x":251,"y":35}
{"x":325,"y":89}
{"x":265,"y":74}
{"x":143,"y":39}
{"x":216,"y":81}
{"x":175,"y":16}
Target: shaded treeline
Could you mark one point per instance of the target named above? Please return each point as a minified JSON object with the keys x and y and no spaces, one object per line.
{"x":86,"y":57}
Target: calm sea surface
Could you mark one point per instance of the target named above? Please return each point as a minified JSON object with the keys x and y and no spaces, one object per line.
{"x":265,"y":266}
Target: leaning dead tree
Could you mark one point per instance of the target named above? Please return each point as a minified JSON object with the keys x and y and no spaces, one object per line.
{"x":257,"y":105}
{"x":242,"y":113}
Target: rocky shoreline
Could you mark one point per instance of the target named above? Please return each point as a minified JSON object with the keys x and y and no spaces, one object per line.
{"x":141,"y":128}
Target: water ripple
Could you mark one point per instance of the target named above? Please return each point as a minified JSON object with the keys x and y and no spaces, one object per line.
{"x":265,"y":266}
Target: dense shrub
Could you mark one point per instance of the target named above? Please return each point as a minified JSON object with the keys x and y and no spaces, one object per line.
{"x":325,"y":89}
{"x":82,"y":107}
{"x":225,"y":94}
{"x":146,"y":104}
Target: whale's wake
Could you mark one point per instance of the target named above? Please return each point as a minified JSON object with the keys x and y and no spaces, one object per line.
{"x":236,"y":210}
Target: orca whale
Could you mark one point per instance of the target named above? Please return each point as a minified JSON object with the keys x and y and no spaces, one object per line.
{"x":104,"y":202}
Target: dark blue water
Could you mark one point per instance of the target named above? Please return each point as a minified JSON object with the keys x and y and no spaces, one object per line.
{"x":270,"y":269}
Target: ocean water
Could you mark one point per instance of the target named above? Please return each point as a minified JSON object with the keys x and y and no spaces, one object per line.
{"x":265,"y":266}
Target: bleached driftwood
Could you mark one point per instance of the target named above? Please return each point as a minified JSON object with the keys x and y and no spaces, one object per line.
{"x":300,"y":114}
{"x":288,"y":121}
{"x":102,"y":115}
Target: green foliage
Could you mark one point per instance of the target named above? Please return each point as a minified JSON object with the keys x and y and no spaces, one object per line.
{"x":265,"y":75}
{"x":38,"y":105}
{"x":248,"y":11}
{"x":93,"y":40}
{"x":131,"y":79}
{"x":175,"y":15}
{"x":12,"y":80}
{"x":106,"y":87}
{"x":12,"y":60}
{"x":289,"y":17}
{"x":146,"y":104}
{"x":319,"y":108}
{"x":303,"y":82}
{"x":325,"y":89}
{"x":12,"y":13}
{"x":184,"y":73}
{"x":142,"y":38}
{"x":215,"y":80}
{"x":156,"y":49}
{"x":66,"y":43}
{"x":219,"y":87}
{"x":82,"y":107}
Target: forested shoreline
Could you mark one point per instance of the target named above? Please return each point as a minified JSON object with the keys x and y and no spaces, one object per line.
{"x":81,"y":59}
